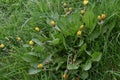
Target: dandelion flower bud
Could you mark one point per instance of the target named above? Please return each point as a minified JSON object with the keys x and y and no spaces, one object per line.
{"x":70,"y":9}
{"x":65,"y":76}
{"x":18,"y":39}
{"x":64,"y":5}
{"x":81,"y":27}
{"x":31,"y":42}
{"x":37,"y":29}
{"x":82,"y":12}
{"x":52,"y":23}
{"x":99,"y":18}
{"x":103,"y":16}
{"x":2,"y":46}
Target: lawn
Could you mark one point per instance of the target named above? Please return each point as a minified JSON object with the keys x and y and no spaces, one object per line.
{"x":59,"y":39}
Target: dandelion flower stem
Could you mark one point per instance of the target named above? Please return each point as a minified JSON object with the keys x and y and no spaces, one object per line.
{"x":100,"y":28}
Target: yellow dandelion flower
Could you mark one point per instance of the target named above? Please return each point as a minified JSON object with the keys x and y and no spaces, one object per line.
{"x":85,"y":2}
{"x":2,"y":45}
{"x":79,"y":33}
{"x":40,"y":66}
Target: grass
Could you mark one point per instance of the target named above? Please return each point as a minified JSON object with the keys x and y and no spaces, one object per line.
{"x":19,"y":18}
